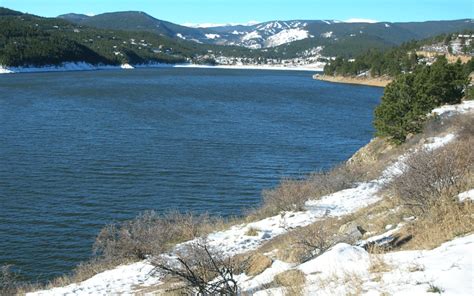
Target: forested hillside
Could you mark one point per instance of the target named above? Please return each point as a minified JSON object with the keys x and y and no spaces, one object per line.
{"x":392,"y":62}
{"x":119,"y":38}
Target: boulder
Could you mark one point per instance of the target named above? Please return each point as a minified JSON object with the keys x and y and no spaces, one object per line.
{"x":352,"y":231}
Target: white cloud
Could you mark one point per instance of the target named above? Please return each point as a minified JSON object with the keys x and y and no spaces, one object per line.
{"x":360,"y":20}
{"x":90,"y":14}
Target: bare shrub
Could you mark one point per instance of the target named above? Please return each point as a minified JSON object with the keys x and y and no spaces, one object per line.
{"x":430,"y":174}
{"x":465,"y":125}
{"x":445,"y":220}
{"x":304,"y":243}
{"x":291,"y":195}
{"x":313,"y":241}
{"x":8,"y":281}
{"x":203,"y":270}
{"x":150,"y":234}
{"x":252,"y":231}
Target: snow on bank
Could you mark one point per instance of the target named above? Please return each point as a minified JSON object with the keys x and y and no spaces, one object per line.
{"x":125,"y":279}
{"x":316,"y":67}
{"x":120,"y":280}
{"x":82,"y":66}
{"x":448,"y":267}
{"x":448,"y":110}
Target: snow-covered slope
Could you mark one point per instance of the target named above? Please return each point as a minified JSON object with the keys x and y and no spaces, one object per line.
{"x":271,"y":34}
{"x":286,"y":36}
{"x":448,"y":268}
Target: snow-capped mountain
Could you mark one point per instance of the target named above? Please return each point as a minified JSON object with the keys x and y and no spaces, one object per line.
{"x":271,"y":34}
{"x":274,"y":33}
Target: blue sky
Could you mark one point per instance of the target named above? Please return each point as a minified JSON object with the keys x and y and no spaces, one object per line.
{"x":235,"y":11}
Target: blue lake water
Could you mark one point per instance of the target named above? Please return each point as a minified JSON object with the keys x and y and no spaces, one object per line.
{"x":79,"y":150}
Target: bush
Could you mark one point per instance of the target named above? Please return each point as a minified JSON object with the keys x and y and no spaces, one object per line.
{"x":8,"y":281}
{"x":150,"y":234}
{"x":432,"y":174}
{"x":410,"y":97}
{"x":202,"y":269}
{"x":291,"y":195}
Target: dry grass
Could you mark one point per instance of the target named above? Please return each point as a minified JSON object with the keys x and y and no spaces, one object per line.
{"x":252,"y":231}
{"x":352,"y":283}
{"x":430,"y":185}
{"x":432,"y":174}
{"x":152,"y":234}
{"x":291,"y":195}
{"x":378,"y":264}
{"x":374,"y":157}
{"x":302,"y":244}
{"x":253,"y":263}
{"x":444,"y":221}
{"x":148,"y":234}
{"x":293,"y":280}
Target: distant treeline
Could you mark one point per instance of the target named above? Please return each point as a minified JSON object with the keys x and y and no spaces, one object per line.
{"x":392,"y":62}
{"x":31,"y":40}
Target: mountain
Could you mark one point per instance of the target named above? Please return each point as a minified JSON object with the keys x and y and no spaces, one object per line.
{"x":74,"y":17}
{"x":36,"y":41}
{"x":137,"y":21}
{"x":137,"y":38}
{"x":275,"y":33}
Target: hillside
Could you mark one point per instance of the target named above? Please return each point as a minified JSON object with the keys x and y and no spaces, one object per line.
{"x":136,"y":38}
{"x":275,"y":33}
{"x":76,"y":41}
{"x":378,"y":68}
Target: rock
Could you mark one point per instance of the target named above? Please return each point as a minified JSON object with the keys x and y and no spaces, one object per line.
{"x":352,"y":230}
{"x":257,"y":264}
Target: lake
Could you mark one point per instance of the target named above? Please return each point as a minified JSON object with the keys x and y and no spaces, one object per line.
{"x":79,"y":150}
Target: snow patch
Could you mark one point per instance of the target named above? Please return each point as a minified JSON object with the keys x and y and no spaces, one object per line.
{"x":116,"y":281}
{"x":448,"y":110}
{"x":126,"y":66}
{"x":251,"y":35}
{"x":212,"y":36}
{"x":360,"y":20}
{"x":213,"y":25}
{"x":250,"y":284}
{"x":437,"y":142}
{"x":327,"y":34}
{"x":340,"y":259}
{"x":466,"y":195}
{"x":286,"y":36}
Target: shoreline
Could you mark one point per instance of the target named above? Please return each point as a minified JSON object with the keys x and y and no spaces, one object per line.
{"x":377,"y":82}
{"x":235,"y":240}
{"x":82,"y":66}
{"x":252,"y":67}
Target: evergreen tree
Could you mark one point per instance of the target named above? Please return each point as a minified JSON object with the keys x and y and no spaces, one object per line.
{"x":410,"y":97}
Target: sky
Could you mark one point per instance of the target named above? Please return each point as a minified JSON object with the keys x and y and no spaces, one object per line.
{"x":243,"y":11}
